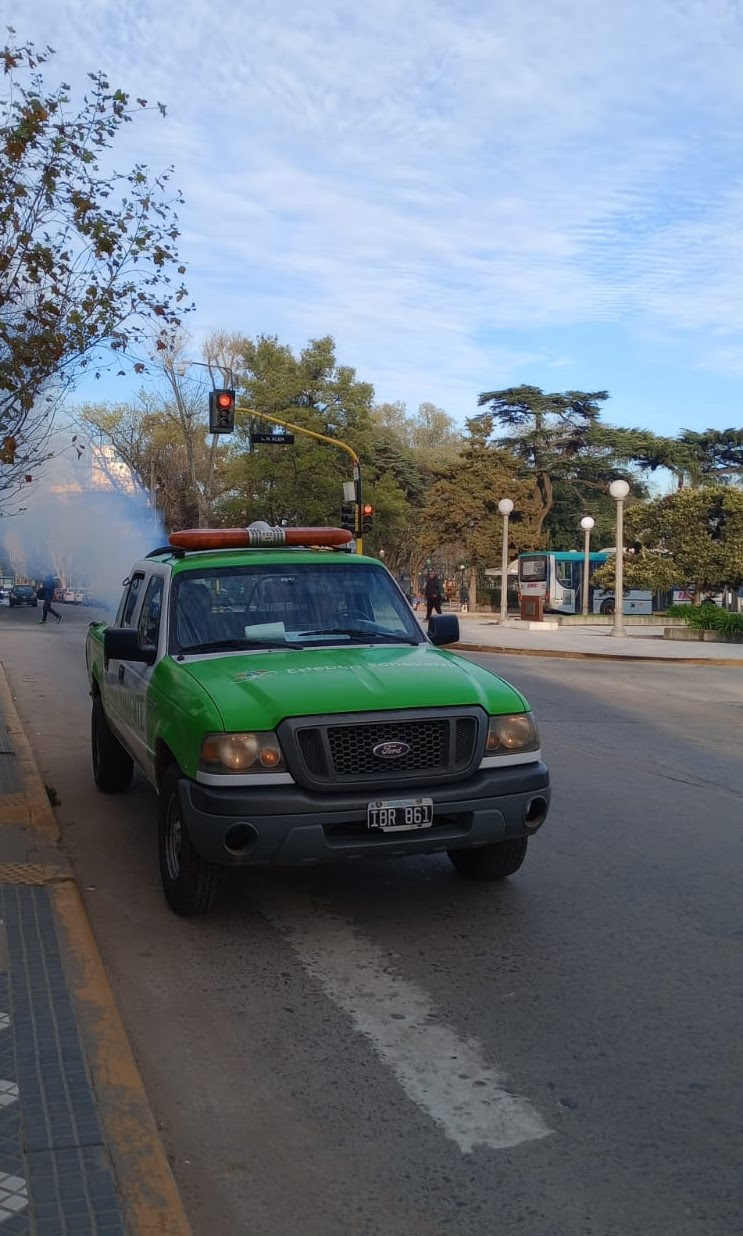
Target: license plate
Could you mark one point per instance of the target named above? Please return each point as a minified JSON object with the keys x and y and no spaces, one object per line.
{"x":400,"y":815}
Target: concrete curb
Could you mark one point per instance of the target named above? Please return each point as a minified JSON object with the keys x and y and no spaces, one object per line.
{"x":149,"y":1196}
{"x":571,"y":655}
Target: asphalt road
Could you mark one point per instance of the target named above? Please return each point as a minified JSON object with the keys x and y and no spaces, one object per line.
{"x":324,"y":1052}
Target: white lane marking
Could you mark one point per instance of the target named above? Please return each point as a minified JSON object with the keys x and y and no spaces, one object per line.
{"x":13,"y":1196}
{"x":4,"y":1021}
{"x":8,"y":1093}
{"x":443,"y":1073}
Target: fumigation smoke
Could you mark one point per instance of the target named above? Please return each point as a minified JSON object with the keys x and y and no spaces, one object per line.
{"x":82,"y":522}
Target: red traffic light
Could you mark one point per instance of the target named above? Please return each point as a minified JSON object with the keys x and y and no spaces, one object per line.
{"x":368,"y":508}
{"x":221,"y":411}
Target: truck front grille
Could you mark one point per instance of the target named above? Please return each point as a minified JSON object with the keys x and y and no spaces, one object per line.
{"x":340,"y":754}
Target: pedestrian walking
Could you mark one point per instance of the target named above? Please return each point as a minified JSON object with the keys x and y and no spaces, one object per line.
{"x":464,"y":594}
{"x":48,"y":591}
{"x":432,"y":593}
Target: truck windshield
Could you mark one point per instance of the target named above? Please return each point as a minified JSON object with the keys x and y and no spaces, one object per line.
{"x":291,"y":606}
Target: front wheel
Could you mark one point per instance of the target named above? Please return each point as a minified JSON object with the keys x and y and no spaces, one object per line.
{"x":490,"y":862}
{"x":112,"y":765}
{"x":607,"y":607}
{"x":190,"y":883}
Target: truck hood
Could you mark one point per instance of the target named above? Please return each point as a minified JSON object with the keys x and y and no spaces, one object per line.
{"x":260,"y":689}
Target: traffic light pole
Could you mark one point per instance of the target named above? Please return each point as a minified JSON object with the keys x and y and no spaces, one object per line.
{"x":321,"y":437}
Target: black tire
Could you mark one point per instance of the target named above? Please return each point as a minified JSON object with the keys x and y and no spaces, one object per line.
{"x":490,"y":862}
{"x":112,"y":765}
{"x":190,"y":883}
{"x":607,"y":607}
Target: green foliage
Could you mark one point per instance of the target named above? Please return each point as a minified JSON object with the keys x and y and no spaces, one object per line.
{"x":430,"y":433}
{"x":462,"y":505}
{"x":87,"y":255}
{"x":691,"y":538}
{"x":648,"y":451}
{"x":643,"y":570}
{"x":718,"y":452}
{"x":693,"y":458}
{"x":301,"y":483}
{"x":708,"y":617}
{"x":554,"y":440}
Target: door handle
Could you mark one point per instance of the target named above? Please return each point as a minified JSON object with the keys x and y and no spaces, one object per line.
{"x":121,"y":673}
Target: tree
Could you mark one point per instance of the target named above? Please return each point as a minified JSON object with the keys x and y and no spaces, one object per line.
{"x":718,"y":453}
{"x":301,"y":483}
{"x":431,"y":433}
{"x":691,"y":538}
{"x":150,"y":445}
{"x":462,"y":506}
{"x":549,"y":436}
{"x":87,"y":256}
{"x":163,"y":443}
{"x":398,"y":482}
{"x":646,"y":451}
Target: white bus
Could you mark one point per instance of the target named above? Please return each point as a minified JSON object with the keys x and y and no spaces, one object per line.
{"x":558,"y":577}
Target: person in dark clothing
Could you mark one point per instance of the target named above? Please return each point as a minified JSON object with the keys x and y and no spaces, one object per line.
{"x":48,"y":590}
{"x":432,"y":593}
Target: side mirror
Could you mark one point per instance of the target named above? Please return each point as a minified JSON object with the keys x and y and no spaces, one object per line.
{"x":122,"y":644}
{"x":444,"y":629}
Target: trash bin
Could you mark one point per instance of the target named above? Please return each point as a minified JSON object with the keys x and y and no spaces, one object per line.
{"x":532,"y":609}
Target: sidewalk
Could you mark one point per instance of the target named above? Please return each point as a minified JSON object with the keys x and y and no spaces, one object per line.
{"x":483,"y":632}
{"x":79,"y":1150}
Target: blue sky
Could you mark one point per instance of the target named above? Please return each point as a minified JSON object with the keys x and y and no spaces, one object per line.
{"x":466,"y":195}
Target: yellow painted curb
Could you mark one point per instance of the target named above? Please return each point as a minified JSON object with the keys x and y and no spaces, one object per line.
{"x":148,"y":1192}
{"x":35,"y":798}
{"x":570,"y":655}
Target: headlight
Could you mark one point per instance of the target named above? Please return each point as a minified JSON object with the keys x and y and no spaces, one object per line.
{"x":517,"y":732}
{"x":238,"y":753}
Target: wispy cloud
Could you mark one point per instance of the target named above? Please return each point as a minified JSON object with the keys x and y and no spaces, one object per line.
{"x":442,"y":185}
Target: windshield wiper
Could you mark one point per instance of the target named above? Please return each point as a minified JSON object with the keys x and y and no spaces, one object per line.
{"x":233,"y":645}
{"x":359,"y":635}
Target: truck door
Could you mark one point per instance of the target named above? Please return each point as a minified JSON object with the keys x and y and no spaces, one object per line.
{"x":113,"y":674}
{"x":137,"y":675}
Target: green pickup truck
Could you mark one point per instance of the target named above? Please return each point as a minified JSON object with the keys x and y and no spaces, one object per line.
{"x":288,"y":708}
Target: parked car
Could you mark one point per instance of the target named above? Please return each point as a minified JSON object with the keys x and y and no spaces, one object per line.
{"x":23,"y":594}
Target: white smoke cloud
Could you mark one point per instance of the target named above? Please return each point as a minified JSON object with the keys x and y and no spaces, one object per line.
{"x":75,"y":526}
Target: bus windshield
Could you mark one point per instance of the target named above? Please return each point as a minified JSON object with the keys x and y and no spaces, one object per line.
{"x":533,"y":569}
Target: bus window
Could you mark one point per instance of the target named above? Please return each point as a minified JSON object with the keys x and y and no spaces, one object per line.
{"x":564,"y":572}
{"x":533,"y":570}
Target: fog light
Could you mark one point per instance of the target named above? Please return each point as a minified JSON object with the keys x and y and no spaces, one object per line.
{"x":536,"y":810}
{"x":240,"y":837}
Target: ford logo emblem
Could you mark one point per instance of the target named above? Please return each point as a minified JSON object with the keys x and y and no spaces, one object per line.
{"x":390,"y":750}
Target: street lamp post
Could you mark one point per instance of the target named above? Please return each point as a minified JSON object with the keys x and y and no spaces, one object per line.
{"x":586,"y":524}
{"x":619,"y":490}
{"x":505,"y":506}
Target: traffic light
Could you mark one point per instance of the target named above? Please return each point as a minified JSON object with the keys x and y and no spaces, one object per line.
{"x":221,"y":411}
{"x":348,"y":517}
{"x":367,"y":518}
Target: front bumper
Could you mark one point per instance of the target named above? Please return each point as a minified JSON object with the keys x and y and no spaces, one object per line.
{"x":287,"y":825}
